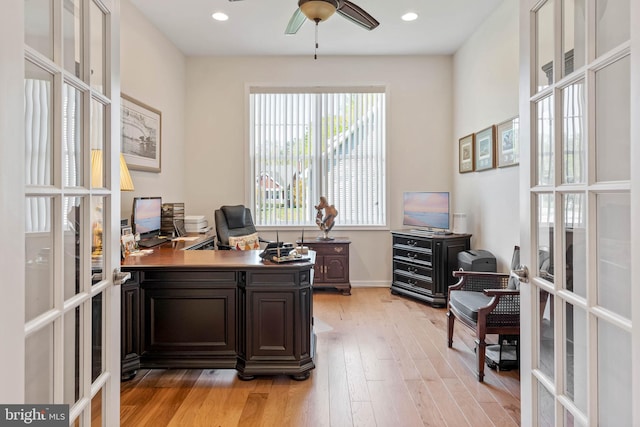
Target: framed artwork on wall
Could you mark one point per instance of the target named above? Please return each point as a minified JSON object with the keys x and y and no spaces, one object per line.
{"x":485,"y":149}
{"x":141,"y":127}
{"x":465,"y":154}
{"x":508,"y":146}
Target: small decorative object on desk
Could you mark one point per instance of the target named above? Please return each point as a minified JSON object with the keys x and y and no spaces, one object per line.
{"x":326,"y":219}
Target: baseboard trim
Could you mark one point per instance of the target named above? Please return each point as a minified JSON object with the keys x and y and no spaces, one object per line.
{"x":370,"y":284}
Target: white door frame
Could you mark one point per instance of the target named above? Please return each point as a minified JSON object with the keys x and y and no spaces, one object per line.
{"x":12,"y":260}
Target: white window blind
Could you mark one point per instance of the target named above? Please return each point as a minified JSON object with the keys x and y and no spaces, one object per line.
{"x":307,"y":144}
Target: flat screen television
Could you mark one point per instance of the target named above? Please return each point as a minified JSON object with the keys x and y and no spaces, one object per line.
{"x":427,"y":210}
{"x":146,"y":216}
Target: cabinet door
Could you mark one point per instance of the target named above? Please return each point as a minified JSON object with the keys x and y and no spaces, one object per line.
{"x":271,"y":328}
{"x":318,"y":269}
{"x":335,"y":269}
{"x":130,"y":347}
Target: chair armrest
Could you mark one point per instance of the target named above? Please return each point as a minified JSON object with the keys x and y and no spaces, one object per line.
{"x":500,"y":292}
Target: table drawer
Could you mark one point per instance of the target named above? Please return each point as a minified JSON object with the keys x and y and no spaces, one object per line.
{"x":412,"y":256}
{"x":411,"y":242}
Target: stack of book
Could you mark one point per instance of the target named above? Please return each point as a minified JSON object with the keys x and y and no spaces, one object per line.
{"x":170,"y":211}
{"x":196,"y":224}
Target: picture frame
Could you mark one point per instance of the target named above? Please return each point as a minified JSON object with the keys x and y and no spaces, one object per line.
{"x":126,"y":229}
{"x":141,"y":127}
{"x":484,"y":151}
{"x":466,"y":160}
{"x":508,"y":144}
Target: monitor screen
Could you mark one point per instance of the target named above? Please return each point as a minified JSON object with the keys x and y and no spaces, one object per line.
{"x":146,"y":215}
{"x":428,"y":209}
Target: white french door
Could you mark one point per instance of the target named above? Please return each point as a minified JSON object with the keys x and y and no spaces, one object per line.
{"x":579,"y":109}
{"x":60,"y":181}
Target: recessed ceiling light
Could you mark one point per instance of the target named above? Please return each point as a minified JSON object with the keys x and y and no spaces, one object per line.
{"x":410,"y":16}
{"x":219,"y":16}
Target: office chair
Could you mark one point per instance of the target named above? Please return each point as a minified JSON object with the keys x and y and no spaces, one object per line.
{"x":488,"y":303}
{"x":233,"y":221}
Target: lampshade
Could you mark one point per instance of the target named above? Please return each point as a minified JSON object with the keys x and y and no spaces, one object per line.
{"x":126,"y":184}
{"x":317,"y":10}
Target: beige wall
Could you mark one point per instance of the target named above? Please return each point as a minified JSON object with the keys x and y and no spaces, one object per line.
{"x":153,"y":71}
{"x":419,"y":127}
{"x":486,"y":79}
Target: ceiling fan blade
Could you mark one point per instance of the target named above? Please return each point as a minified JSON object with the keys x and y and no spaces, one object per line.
{"x":356,"y":14}
{"x":296,"y":21}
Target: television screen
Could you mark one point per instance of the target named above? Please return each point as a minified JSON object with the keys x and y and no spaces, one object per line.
{"x":428,"y":209}
{"x":146,"y":216}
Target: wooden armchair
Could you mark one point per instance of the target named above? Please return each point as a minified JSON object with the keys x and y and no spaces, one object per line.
{"x":483,"y":302}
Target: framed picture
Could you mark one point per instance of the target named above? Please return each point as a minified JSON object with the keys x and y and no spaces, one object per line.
{"x":485,"y":149}
{"x":126,"y":230}
{"x":465,"y":154}
{"x":508,"y":144}
{"x":141,"y":135}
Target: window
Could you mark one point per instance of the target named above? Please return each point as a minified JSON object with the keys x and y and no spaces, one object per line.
{"x":305,"y":144}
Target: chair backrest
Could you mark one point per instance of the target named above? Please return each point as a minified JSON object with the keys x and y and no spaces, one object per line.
{"x":233,"y":221}
{"x":514,"y":280}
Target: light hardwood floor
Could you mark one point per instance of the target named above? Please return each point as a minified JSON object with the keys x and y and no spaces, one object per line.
{"x":381,"y":360}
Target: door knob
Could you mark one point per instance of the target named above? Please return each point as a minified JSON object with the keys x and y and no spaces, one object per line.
{"x":522,"y":272}
{"x":120,"y":277}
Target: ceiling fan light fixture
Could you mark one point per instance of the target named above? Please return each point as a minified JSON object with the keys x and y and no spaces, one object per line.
{"x":318,"y":10}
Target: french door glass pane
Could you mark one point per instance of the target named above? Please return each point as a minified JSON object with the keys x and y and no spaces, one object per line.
{"x":72,"y":33}
{"x":544,"y":45}
{"x":614,"y":376}
{"x":96,"y":409}
{"x":97,"y":335}
{"x":573,"y":35}
{"x":72,"y":355}
{"x":39,"y":366}
{"x":546,"y":405}
{"x":573,"y":141}
{"x":97,"y":224}
{"x":613,"y":126}
{"x":613,"y":253}
{"x":38,"y":26}
{"x":39,"y":259}
{"x":38,"y":116}
{"x":570,"y":420}
{"x":97,"y":135}
{"x":545,"y":148}
{"x":546,"y":334}
{"x":575,"y":243}
{"x":612,"y":24}
{"x":97,"y":52}
{"x":72,"y":136}
{"x":545,"y":221}
{"x":72,"y":243}
{"x":576,"y":356}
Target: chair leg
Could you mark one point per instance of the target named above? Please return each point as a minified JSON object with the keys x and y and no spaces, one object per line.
{"x":480,"y":357}
{"x":450,"y":318}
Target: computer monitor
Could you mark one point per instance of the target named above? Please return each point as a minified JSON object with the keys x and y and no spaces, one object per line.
{"x":146,"y":216}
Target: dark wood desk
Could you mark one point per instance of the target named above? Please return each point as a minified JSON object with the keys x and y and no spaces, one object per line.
{"x":217,"y":309}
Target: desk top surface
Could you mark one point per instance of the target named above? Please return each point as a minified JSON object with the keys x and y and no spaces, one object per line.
{"x":172,"y":255}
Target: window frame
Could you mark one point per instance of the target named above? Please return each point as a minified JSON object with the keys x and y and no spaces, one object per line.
{"x":250,"y":199}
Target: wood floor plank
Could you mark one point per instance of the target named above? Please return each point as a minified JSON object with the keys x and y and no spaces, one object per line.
{"x":381,"y":360}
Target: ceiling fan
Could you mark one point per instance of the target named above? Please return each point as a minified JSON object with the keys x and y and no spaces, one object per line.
{"x":321,"y":10}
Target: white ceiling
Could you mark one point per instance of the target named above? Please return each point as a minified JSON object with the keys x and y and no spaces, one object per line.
{"x":256,"y":27}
